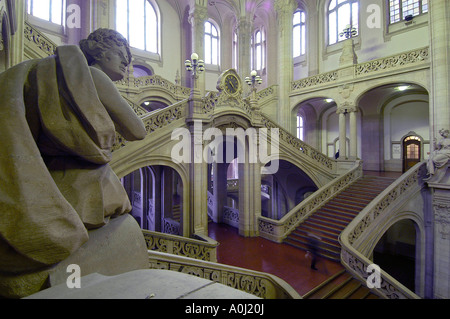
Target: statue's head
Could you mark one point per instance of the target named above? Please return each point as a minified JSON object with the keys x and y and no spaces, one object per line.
{"x":444,"y":133}
{"x":108,"y":50}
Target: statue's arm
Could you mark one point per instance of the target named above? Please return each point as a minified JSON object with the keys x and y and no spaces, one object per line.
{"x":127,"y":123}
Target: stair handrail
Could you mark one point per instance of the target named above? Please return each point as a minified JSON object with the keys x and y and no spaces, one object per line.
{"x":45,"y":46}
{"x":157,"y":119}
{"x":278,"y":230}
{"x":201,"y":247}
{"x":357,"y":262}
{"x":260,"y":284}
{"x":315,"y":155}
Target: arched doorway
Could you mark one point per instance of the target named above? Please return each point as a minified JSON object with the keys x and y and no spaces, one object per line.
{"x":282,"y":191}
{"x":396,"y":252}
{"x":156,"y":196}
{"x":412,"y":150}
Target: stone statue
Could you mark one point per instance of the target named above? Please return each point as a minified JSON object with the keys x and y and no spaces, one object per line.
{"x":58,"y":118}
{"x":441,"y":155}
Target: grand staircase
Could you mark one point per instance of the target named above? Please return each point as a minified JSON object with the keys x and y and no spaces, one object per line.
{"x":341,"y":286}
{"x":330,"y":220}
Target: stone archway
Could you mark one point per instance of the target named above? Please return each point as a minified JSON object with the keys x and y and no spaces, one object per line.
{"x":396,"y":252}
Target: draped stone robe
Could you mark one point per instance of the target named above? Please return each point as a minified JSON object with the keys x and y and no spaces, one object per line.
{"x":56,"y":137}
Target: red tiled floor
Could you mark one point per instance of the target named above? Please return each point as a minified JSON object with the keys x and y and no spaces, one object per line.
{"x":281,"y":260}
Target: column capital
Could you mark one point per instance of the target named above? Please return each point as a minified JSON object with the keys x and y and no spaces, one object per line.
{"x":197,"y":15}
{"x":346,"y":107}
{"x":285,"y":7}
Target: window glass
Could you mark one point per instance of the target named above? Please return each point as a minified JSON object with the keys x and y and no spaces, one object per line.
{"x":211,"y":44}
{"x":137,"y":21}
{"x":341,"y":14}
{"x":49,"y":10}
{"x":400,"y":9}
{"x":299,"y":33}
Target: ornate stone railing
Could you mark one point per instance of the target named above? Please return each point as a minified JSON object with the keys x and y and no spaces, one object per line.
{"x":394,"y":61}
{"x":367,"y":222}
{"x":314,"y":80}
{"x":267,"y":94}
{"x":204,"y":249}
{"x":171,"y":226}
{"x":44,"y":45}
{"x":139,"y":110}
{"x":231,"y":216}
{"x":155,"y":81}
{"x":277,"y":230}
{"x":156,"y":120}
{"x":316,"y":156}
{"x":260,"y":284}
{"x":391,"y":63}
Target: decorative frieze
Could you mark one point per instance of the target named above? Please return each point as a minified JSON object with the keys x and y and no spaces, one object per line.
{"x":312,"y":81}
{"x":395,"y":61}
{"x":442,"y":219}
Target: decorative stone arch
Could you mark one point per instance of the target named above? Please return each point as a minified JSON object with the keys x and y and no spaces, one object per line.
{"x":419,"y":247}
{"x":158,"y":160}
{"x":299,"y":164}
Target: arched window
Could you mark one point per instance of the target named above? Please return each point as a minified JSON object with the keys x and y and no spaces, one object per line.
{"x":400,"y":9}
{"x":138,"y":22}
{"x":211,"y":44}
{"x":49,"y":10}
{"x":235,"y":51}
{"x":300,"y":127}
{"x":258,"y":54}
{"x":411,"y":151}
{"x":341,"y":14}
{"x":299,"y":33}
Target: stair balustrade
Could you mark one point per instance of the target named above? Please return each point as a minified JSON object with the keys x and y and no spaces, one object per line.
{"x":262,"y":285}
{"x":278,"y":230}
{"x":355,"y":251}
{"x":201,"y":248}
{"x":156,"y":120}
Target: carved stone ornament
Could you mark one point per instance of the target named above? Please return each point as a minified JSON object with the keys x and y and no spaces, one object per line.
{"x":442,"y":219}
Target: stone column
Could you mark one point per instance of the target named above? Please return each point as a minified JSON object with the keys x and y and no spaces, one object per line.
{"x":342,"y":134}
{"x":353,"y":136}
{"x":439,"y":21}
{"x":17,"y":39}
{"x":249,"y":199}
{"x":244,"y":33}
{"x":249,"y":188}
{"x":219,"y":190}
{"x":197,"y":18}
{"x":285,"y":9}
{"x":198,"y":181}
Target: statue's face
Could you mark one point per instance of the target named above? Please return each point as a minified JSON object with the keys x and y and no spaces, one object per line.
{"x":114,"y":63}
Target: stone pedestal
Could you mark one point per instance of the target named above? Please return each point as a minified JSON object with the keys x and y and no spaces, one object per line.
{"x":440,"y":185}
{"x":116,"y":248}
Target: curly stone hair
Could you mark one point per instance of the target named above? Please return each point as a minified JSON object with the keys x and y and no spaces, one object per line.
{"x":100,"y":41}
